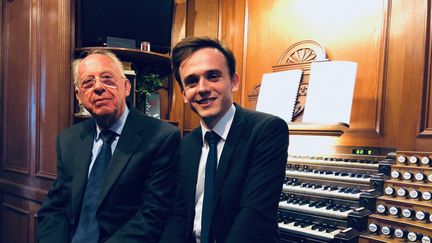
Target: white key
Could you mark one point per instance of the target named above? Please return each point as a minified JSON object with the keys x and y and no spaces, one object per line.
{"x":295,"y":173}
{"x":321,"y":192}
{"x":311,"y":161}
{"x":307,"y":231}
{"x":313,"y":210}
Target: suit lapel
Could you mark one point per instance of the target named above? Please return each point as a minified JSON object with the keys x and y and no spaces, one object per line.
{"x":231,"y":142}
{"x":81,"y":161}
{"x":192,"y":148}
{"x":129,"y":140}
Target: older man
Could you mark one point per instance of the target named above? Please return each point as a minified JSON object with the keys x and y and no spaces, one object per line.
{"x":116,"y":171}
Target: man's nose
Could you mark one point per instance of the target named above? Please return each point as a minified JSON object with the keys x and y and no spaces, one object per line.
{"x":98,"y":85}
{"x":203,"y":85}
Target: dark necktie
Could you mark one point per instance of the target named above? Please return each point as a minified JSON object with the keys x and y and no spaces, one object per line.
{"x":88,"y":227}
{"x":212,"y":139}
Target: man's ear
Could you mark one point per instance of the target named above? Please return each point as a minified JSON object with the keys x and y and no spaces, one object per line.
{"x":235,"y":82}
{"x":127,"y":87}
{"x":77,"y":95}
{"x":184,"y":97}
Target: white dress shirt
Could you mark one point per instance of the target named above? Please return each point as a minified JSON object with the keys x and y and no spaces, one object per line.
{"x":117,"y":127}
{"x":221,"y":128}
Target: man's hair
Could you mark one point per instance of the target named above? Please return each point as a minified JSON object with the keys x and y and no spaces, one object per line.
{"x":185,"y":48}
{"x":113,"y":56}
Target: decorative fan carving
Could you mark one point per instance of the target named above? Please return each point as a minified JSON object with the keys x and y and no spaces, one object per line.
{"x":303,"y":52}
{"x":302,"y":55}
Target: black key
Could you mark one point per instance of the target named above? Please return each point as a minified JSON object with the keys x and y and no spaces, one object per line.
{"x":344,"y":208}
{"x":315,"y":226}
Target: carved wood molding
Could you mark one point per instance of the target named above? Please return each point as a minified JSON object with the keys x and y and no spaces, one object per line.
{"x":305,"y":51}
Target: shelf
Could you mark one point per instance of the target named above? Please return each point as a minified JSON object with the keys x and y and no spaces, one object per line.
{"x":321,"y":129}
{"x":130,"y":55}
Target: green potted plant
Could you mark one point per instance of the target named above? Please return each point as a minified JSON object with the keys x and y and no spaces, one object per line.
{"x":147,"y":85}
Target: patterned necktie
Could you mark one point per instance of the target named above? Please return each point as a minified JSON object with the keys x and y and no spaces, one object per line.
{"x":88,"y":227}
{"x":212,"y":139}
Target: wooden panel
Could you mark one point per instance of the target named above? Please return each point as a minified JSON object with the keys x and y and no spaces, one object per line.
{"x":426,"y":124}
{"x":178,"y":33}
{"x":405,"y":73}
{"x":54,"y":81}
{"x":231,"y":32}
{"x":202,"y":20}
{"x":353,"y":31}
{"x":421,"y":138}
{"x":20,"y":217}
{"x":1,"y":85}
{"x":35,"y":71}
{"x":19,"y":101}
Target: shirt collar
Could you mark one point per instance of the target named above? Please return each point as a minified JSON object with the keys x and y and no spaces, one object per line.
{"x":117,"y":127}
{"x":222,"y":127}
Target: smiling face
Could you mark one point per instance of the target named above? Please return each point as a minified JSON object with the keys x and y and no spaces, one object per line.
{"x":207,"y":84}
{"x":102,"y":89}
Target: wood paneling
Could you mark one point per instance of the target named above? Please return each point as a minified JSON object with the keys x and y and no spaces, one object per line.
{"x":36,"y":75}
{"x":36,"y":99}
{"x":362,"y":25}
{"x":389,"y":39}
{"x":426,"y":124}
{"x":20,"y":217}
{"x":1,"y":83}
{"x":231,"y":32}
{"x":54,"y":88}
{"x":223,"y":19}
{"x":18,"y":77}
{"x":202,"y":20}
{"x":405,"y":74}
{"x":178,"y":33}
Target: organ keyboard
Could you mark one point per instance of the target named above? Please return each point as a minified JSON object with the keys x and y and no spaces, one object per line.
{"x":367,"y":164}
{"x":403,"y":213}
{"x":321,"y":231}
{"x":355,"y":196}
{"x":327,"y":198}
{"x":354,"y":217}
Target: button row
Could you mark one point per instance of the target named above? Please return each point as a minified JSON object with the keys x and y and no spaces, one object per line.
{"x":399,"y":233}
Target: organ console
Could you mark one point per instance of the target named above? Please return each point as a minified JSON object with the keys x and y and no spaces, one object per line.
{"x":403,"y":212}
{"x":328,"y":198}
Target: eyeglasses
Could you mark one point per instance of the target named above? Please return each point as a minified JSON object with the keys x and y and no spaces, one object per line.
{"x":107,"y":81}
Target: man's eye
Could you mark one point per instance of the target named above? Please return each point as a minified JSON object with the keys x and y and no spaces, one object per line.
{"x":109,"y":81}
{"x":191,"y":85}
{"x":191,"y":81}
{"x":87,"y":83}
{"x":106,"y":76}
{"x":213,"y":76}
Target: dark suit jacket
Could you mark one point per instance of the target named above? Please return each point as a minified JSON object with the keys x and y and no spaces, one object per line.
{"x":248,"y":181}
{"x":135,"y":196}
